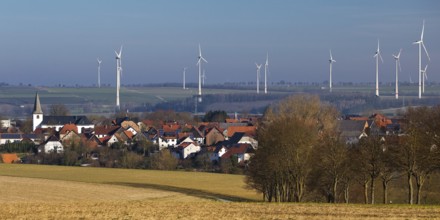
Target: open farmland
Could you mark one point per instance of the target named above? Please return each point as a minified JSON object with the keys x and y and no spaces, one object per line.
{"x":18,"y":100}
{"x":52,"y":192}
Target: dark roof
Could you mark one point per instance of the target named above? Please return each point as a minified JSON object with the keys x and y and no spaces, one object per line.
{"x":351,"y":125}
{"x":10,"y":136}
{"x":52,"y":138}
{"x":118,"y":121}
{"x":62,"y":120}
{"x":238,"y":149}
{"x":350,"y":128}
{"x":236,"y":137}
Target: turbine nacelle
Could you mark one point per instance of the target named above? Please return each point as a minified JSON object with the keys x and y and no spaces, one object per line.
{"x":258,"y":66}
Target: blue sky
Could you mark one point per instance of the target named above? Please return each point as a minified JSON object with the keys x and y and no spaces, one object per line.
{"x":49,"y":42}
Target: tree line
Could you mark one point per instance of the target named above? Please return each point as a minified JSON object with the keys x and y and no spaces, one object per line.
{"x":301,"y":156}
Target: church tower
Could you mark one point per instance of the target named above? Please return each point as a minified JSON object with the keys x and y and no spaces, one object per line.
{"x":37,"y":113}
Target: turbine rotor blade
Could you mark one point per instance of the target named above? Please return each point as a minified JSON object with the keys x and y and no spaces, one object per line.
{"x":423,"y":30}
{"x":204,"y":59}
{"x":426,"y":51}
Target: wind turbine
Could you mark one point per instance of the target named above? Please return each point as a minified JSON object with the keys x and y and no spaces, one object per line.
{"x":258,"y":77}
{"x":377,"y":55}
{"x":397,"y":58}
{"x":184,"y":77}
{"x":199,"y":63}
{"x":425,"y":76}
{"x":265,"y":73}
{"x":420,"y":43}
{"x":99,"y":72}
{"x":331,"y":61}
{"x":118,"y":76}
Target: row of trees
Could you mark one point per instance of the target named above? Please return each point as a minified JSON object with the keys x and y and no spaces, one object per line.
{"x":301,"y":157}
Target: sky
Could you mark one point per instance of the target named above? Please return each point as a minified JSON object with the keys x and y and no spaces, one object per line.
{"x":51,"y":42}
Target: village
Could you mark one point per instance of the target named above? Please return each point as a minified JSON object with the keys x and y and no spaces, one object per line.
{"x":234,"y":139}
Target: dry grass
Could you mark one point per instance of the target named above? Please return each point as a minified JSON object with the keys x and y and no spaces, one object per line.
{"x":199,"y":184}
{"x":51,"y":192}
{"x":21,"y":189}
{"x":208,"y":210}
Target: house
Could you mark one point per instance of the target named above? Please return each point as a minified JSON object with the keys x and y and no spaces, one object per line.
{"x":215,"y":152}
{"x":248,"y":130}
{"x":57,"y":122}
{"x":131,"y":126}
{"x":17,"y":137}
{"x":166,"y":141}
{"x":186,"y":149}
{"x":243,"y":152}
{"x":213,"y":136}
{"x":197,"y":135}
{"x":69,"y":132}
{"x":10,"y":138}
{"x":351,"y":131}
{"x":52,"y":144}
{"x":242,"y":138}
{"x":104,"y":131}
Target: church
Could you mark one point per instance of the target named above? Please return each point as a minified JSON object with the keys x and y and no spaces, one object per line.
{"x":57,"y":122}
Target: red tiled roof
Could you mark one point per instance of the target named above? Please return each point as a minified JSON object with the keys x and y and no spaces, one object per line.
{"x":101,"y":130}
{"x":170,"y":127}
{"x":248,"y":130}
{"x":69,"y":127}
{"x":232,"y":120}
{"x":237,"y":149}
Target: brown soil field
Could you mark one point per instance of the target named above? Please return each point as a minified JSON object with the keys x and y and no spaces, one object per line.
{"x":51,"y":192}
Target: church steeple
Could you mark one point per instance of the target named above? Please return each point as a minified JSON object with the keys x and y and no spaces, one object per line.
{"x":37,"y":114}
{"x":37,"y":105}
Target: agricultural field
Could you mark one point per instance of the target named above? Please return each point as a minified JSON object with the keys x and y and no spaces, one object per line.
{"x":17,"y":101}
{"x":53,"y":192}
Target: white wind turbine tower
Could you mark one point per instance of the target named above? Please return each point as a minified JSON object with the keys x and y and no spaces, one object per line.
{"x":258,"y":77}
{"x":118,"y":76}
{"x":203,"y":78}
{"x":424,"y":76}
{"x":420,"y":43}
{"x":331,"y":61}
{"x":199,"y":63}
{"x":184,"y":77}
{"x":397,"y":58}
{"x":377,"y":56}
{"x":265,"y":73}
{"x":99,"y":72}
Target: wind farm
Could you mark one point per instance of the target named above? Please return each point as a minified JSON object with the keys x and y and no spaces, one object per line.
{"x":121,"y":101}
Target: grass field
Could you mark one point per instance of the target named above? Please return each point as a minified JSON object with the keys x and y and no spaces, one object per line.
{"x":53,"y":192}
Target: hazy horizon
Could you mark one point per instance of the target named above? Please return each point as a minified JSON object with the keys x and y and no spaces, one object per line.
{"x":52,"y":42}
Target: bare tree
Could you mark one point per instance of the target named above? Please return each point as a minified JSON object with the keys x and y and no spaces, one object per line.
{"x":287,"y":137}
{"x":333,"y":165}
{"x":419,"y":155}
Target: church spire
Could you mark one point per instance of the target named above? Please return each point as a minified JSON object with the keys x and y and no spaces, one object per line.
{"x":37,"y":105}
